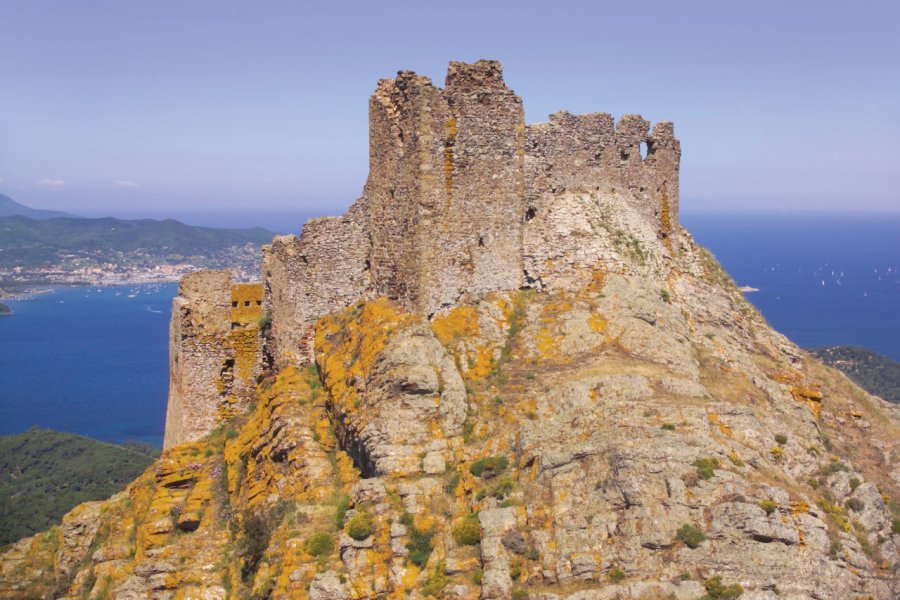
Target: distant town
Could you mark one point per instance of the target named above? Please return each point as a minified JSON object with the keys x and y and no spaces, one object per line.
{"x":86,"y":268}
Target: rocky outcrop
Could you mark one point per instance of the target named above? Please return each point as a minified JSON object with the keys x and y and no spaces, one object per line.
{"x":619,"y":423}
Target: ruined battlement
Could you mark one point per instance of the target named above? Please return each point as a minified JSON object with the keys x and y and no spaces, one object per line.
{"x":214,"y":353}
{"x":461,"y":200}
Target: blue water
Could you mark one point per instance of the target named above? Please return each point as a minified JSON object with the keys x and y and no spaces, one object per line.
{"x":95,"y":363}
{"x":824,"y":279}
{"x":87,"y":361}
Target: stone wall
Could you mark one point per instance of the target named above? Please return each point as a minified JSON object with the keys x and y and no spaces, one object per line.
{"x":463,"y":199}
{"x":324,"y":269}
{"x":214,"y":353}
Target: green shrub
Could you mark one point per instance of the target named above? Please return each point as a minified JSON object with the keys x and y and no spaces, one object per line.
{"x":452,"y":482}
{"x":319,"y":544}
{"x":616,"y":575}
{"x":768,"y":505}
{"x":706,"y":467}
{"x":340,"y":514}
{"x":691,"y":536}
{"x":895,"y":526}
{"x":503,"y":487}
{"x":467,"y":531}
{"x":519,"y":594}
{"x":489,"y":466}
{"x":437,"y":580}
{"x":854,"y":483}
{"x":781,"y":438}
{"x":716,"y":590}
{"x":833,"y":467}
{"x":360,"y":526}
{"x":665,"y":295}
{"x":477,"y":576}
{"x":420,"y":542}
{"x":256,"y":531}
{"x":854,"y":504}
{"x":668,"y":426}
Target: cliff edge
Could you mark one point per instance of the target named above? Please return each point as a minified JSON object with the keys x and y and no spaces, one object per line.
{"x":506,"y":372}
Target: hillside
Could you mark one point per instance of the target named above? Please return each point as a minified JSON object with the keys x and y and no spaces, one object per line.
{"x":506,"y":372}
{"x":877,"y":374}
{"x":39,"y":243}
{"x":9,"y":208}
{"x":110,"y":251}
{"x":44,"y":474}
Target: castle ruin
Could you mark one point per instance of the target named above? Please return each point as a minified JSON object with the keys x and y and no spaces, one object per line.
{"x":463,"y":198}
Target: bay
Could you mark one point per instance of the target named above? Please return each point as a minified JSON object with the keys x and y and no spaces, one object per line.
{"x":94,"y":361}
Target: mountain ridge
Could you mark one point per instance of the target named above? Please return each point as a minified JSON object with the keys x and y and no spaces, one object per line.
{"x":9,"y":208}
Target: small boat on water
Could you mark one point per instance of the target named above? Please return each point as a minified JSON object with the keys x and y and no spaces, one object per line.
{"x":747,"y":289}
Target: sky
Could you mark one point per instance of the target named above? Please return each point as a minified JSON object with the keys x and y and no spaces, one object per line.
{"x":226,"y":111}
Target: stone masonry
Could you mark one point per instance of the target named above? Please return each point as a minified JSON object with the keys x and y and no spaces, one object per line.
{"x":456,"y":181}
{"x":214,"y":353}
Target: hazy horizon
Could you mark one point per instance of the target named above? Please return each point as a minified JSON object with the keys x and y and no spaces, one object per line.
{"x":219,"y":108}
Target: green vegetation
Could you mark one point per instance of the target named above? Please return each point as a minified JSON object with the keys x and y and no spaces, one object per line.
{"x":30,"y":243}
{"x":690,"y":535}
{"x":360,"y":526}
{"x":769,"y":506}
{"x":437,"y":580}
{"x":44,"y":474}
{"x":781,"y":438}
{"x":854,"y":504}
{"x":832,"y":468}
{"x":467,"y":531}
{"x":669,"y":426}
{"x":257,"y":528}
{"x":706,"y":467}
{"x":616,"y":575}
{"x":716,"y":590}
{"x":319,"y":544}
{"x":420,"y":542}
{"x":489,"y":466}
{"x":877,"y":374}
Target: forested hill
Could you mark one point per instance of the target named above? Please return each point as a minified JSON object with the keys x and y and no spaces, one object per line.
{"x":31,"y":243}
{"x":44,"y":474}
{"x":877,"y":374}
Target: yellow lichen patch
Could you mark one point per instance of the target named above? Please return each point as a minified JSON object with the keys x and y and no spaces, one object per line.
{"x":714,"y":420}
{"x":458,"y":331}
{"x":598,"y":323}
{"x":246,"y":303}
{"x":665,"y":220}
{"x":350,"y":342}
{"x":811,"y":396}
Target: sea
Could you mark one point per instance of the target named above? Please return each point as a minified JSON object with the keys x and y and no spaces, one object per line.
{"x":94,"y":360}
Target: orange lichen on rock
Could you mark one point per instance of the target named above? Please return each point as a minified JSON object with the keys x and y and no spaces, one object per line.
{"x":352,"y":340}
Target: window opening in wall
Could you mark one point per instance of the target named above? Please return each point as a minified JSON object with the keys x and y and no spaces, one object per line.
{"x":643,"y":150}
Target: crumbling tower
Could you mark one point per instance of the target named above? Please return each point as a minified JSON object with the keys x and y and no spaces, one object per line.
{"x":446,"y":187}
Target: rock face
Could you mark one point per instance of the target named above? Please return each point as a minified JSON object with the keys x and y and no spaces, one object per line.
{"x":588,"y":410}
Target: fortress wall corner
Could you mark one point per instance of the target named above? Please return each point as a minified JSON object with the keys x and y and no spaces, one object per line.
{"x":214,"y":353}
